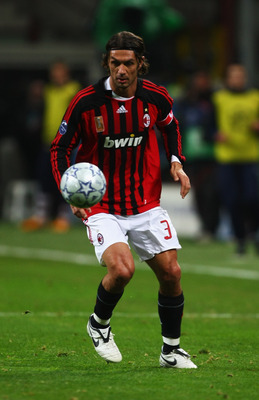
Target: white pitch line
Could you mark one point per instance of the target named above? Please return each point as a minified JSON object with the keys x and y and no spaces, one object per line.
{"x":86,"y":259}
{"x":47,"y":254}
{"x":220,"y":271}
{"x":78,"y":314}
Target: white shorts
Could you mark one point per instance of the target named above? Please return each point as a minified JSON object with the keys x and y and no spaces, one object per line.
{"x":148,"y":233}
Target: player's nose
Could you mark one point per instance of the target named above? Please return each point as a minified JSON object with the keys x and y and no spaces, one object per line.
{"x":122,"y":69}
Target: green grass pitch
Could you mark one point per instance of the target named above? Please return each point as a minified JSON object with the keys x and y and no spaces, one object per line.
{"x":48,"y":287}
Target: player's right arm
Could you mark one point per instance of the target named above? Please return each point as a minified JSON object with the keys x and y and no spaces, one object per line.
{"x":80,"y":212}
{"x":68,"y":135}
{"x":66,"y":140}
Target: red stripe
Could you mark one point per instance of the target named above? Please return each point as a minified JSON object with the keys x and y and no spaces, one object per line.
{"x":150,"y":85}
{"x":158,"y":89}
{"x":168,"y":119}
{"x":53,"y":158}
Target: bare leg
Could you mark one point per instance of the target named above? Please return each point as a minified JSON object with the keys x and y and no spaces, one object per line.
{"x":120,"y":267}
{"x":168,"y":272}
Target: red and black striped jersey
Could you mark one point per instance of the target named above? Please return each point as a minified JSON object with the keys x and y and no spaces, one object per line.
{"x":119,"y":137}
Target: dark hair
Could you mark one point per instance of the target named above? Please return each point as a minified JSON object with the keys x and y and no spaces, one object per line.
{"x":127,"y":41}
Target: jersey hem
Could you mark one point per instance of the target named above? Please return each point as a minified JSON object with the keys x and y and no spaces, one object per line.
{"x":97,"y":209}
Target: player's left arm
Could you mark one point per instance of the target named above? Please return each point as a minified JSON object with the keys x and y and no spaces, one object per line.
{"x":178,"y":175}
{"x":170,"y":131}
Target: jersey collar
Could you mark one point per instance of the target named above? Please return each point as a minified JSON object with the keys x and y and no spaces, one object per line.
{"x":103,"y":86}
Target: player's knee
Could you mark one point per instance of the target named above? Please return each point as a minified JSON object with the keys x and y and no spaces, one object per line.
{"x":124,"y":276}
{"x":171,"y":273}
{"x":122,"y":272}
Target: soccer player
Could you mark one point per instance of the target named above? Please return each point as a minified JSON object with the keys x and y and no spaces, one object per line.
{"x":113,"y":124}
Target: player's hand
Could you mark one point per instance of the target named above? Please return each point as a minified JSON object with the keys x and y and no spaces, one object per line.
{"x":80,"y":212}
{"x":178,"y":174}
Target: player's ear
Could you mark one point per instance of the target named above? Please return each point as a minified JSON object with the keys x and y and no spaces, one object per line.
{"x":141,"y":62}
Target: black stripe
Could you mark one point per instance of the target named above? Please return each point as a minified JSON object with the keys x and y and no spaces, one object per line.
{"x":97,"y":113}
{"x":142,"y":151}
{"x":134,"y":113}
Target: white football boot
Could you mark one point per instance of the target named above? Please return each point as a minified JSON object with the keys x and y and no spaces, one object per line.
{"x":177,"y":358}
{"x":104,"y":343}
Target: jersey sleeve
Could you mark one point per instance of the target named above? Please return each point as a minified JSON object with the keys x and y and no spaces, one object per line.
{"x":168,"y":125}
{"x":67,"y":139}
{"x":172,"y":139}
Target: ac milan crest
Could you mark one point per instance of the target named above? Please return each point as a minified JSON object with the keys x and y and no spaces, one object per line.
{"x":146,"y":120}
{"x":100,"y":238}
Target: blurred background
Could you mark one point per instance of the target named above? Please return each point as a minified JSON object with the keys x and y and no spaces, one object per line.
{"x":182,"y":37}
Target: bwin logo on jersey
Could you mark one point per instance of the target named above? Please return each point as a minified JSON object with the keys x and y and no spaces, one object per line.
{"x":131,"y":141}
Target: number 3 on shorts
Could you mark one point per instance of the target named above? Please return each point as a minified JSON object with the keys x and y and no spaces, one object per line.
{"x":167,"y":228}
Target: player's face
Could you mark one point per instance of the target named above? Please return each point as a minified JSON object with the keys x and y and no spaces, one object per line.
{"x":124,"y":67}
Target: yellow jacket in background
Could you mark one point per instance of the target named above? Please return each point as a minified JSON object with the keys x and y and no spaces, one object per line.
{"x":56,"y":99}
{"x":235,"y":113}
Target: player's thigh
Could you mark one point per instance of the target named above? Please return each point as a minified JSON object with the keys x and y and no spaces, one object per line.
{"x":119,"y":261}
{"x":103,"y":231}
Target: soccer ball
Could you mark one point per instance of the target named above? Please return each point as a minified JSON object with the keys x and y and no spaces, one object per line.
{"x":83,"y":185}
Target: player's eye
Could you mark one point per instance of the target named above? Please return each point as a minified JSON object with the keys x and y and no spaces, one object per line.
{"x":115,"y":63}
{"x":129,"y":63}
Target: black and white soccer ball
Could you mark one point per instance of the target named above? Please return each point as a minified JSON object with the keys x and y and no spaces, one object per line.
{"x":83,"y":185}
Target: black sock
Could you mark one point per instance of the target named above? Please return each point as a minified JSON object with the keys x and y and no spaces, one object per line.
{"x":96,"y":324}
{"x":167,"y":348}
{"x":170,"y":311}
{"x":105,"y":303}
